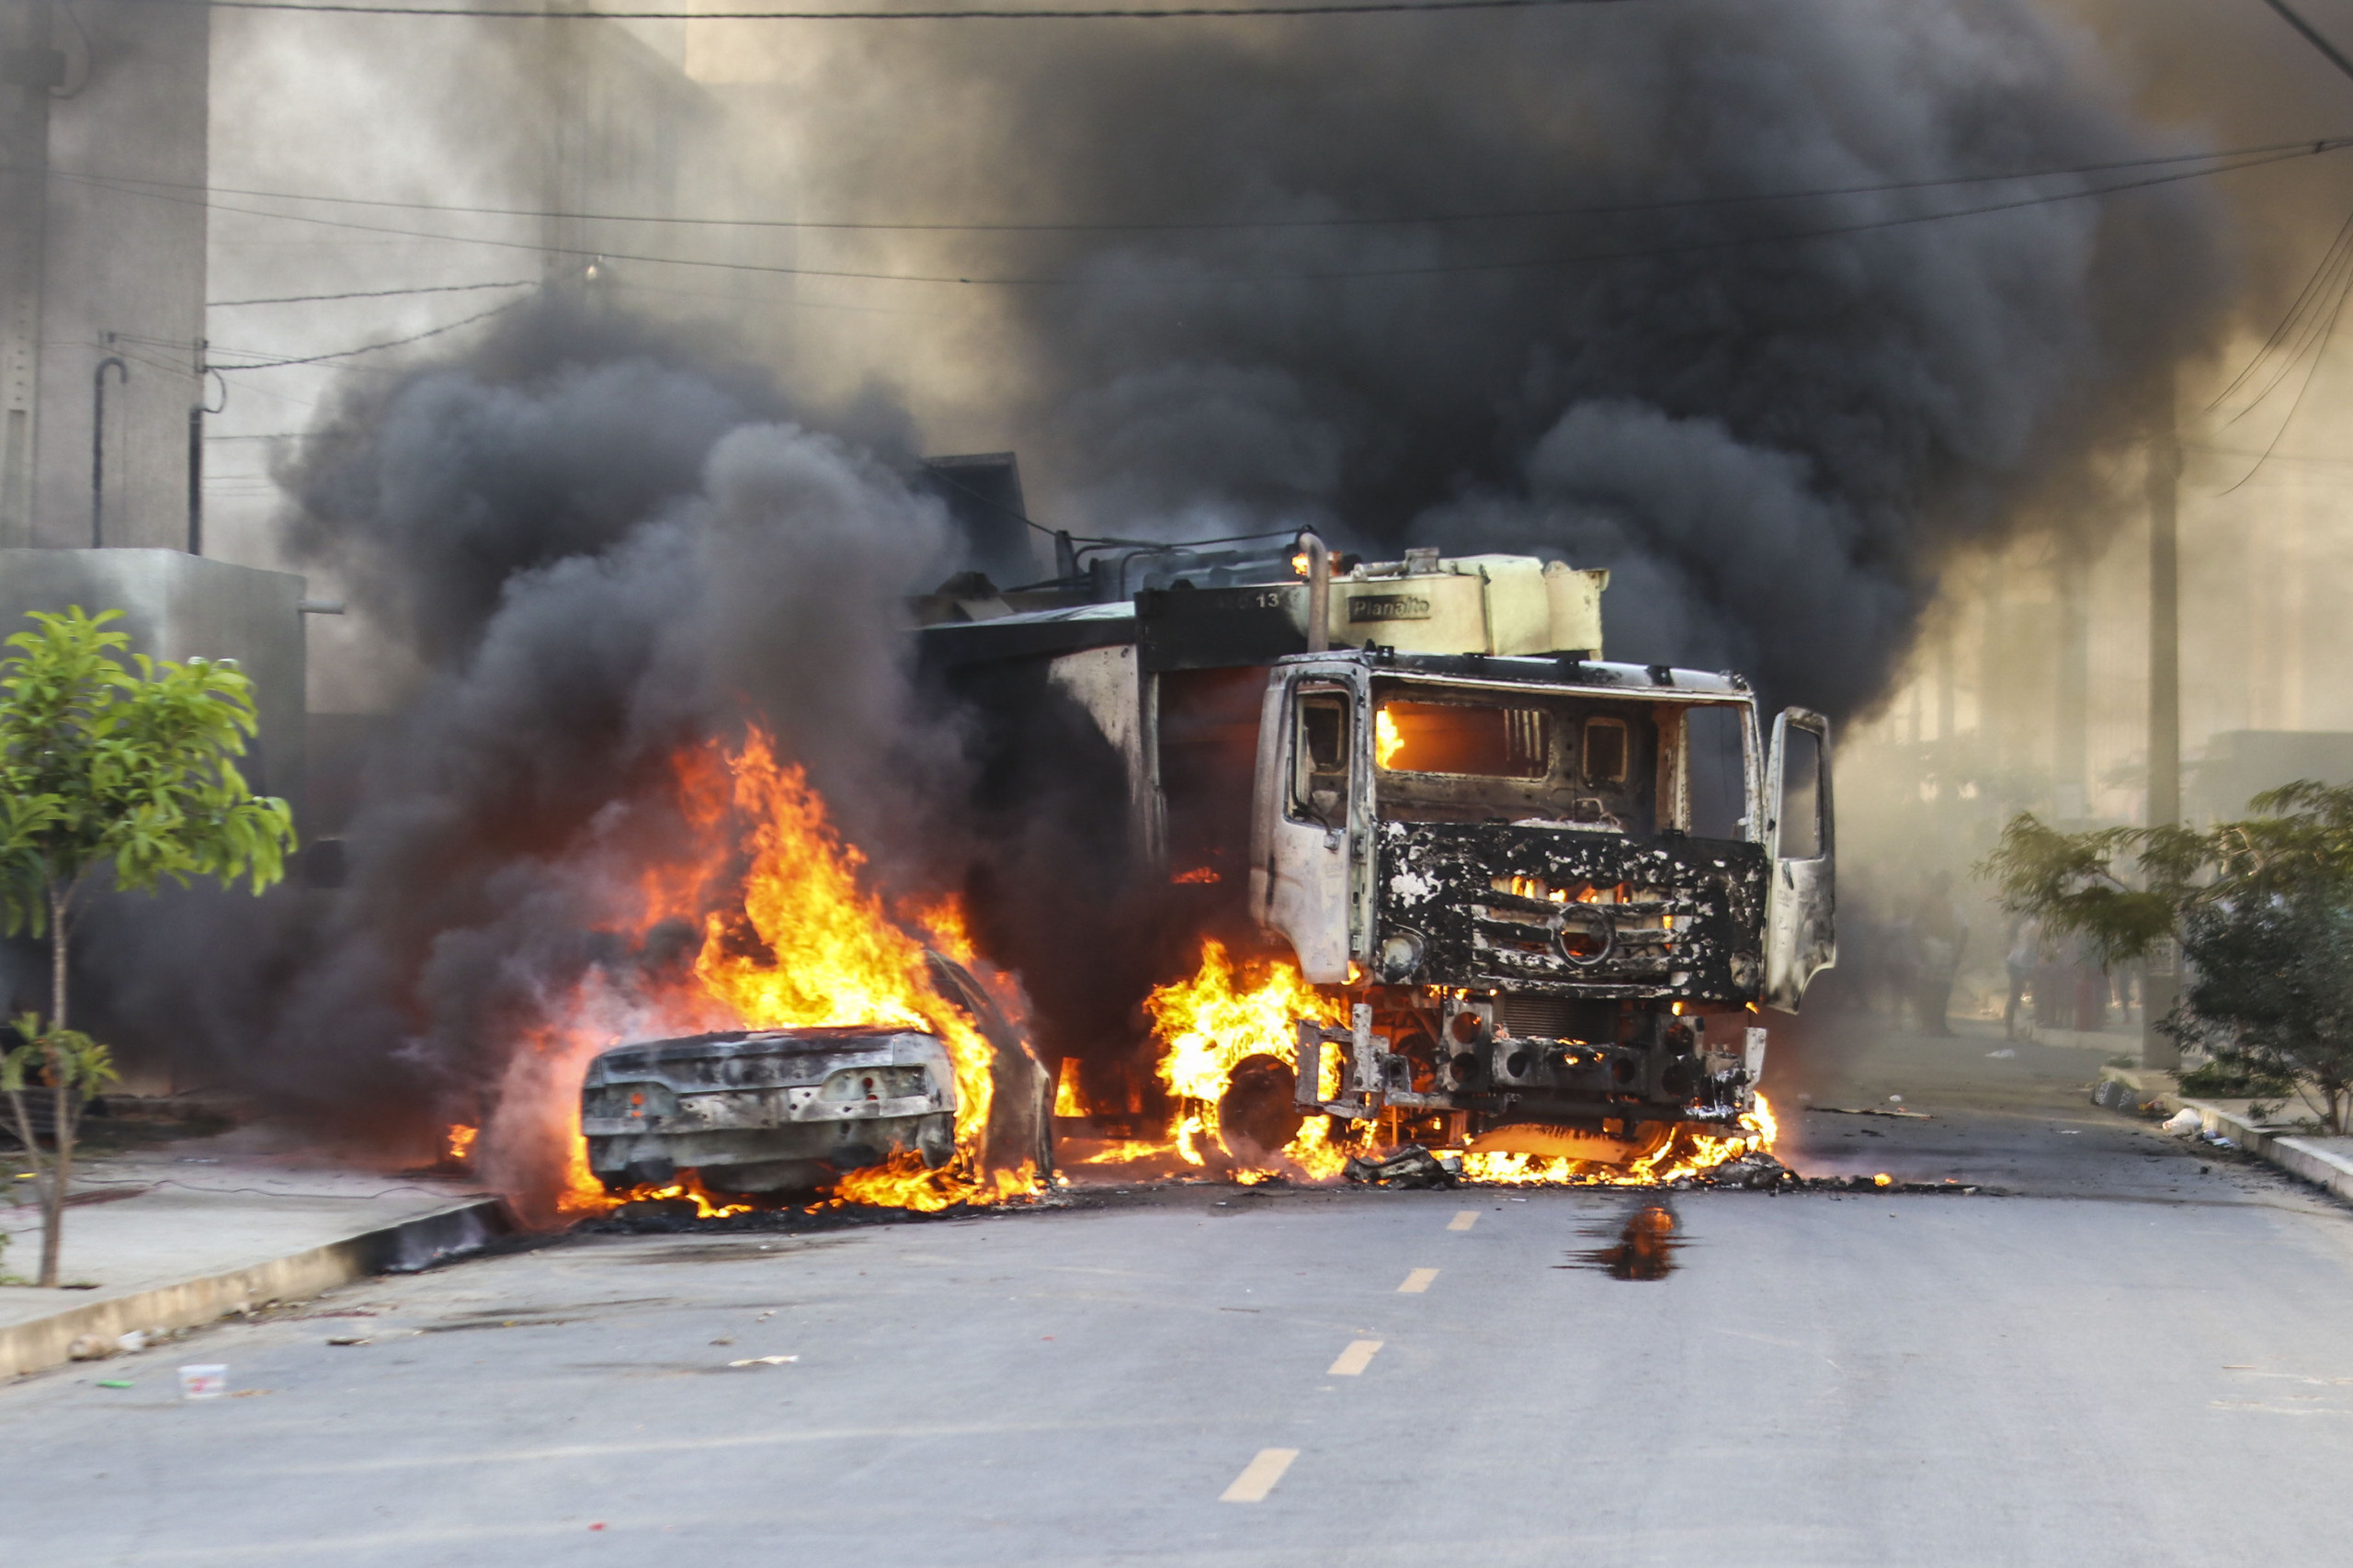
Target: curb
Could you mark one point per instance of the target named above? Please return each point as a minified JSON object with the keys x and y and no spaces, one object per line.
{"x":2332,"y":1173}
{"x":402,"y":1248}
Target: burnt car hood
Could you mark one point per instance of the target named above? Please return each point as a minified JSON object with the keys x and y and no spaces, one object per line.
{"x":1690,"y":923}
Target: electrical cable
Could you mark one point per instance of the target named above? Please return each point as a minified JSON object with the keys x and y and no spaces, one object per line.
{"x":1150,"y":226}
{"x":369,"y":348}
{"x":2308,"y":330}
{"x":372,"y":293}
{"x":2311,"y":35}
{"x":2310,"y":371}
{"x":2329,"y":259}
{"x":2302,"y":150}
{"x":1066,"y":14}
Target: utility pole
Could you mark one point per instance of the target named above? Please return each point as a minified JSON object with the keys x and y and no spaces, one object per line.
{"x":2161,"y":983}
{"x":2071,"y":714}
{"x":29,"y":67}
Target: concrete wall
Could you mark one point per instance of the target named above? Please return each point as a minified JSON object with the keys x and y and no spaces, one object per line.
{"x":181,"y":607}
{"x":125,"y":276}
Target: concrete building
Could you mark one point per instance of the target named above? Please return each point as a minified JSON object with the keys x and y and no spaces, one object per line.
{"x":102,"y":269}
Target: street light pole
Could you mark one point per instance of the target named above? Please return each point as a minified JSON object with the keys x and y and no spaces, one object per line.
{"x":2161,"y":983}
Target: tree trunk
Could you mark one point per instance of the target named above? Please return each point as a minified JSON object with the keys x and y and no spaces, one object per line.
{"x":57,"y":897}
{"x":61,"y":1170}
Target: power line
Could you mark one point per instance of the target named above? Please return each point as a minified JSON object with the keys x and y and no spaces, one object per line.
{"x":2301,"y":326}
{"x":1046,"y":13}
{"x":2302,"y":150}
{"x":372,"y":293}
{"x":2311,"y":369}
{"x":2330,"y":260}
{"x":369,"y":348}
{"x":2311,"y":35}
{"x":1151,"y":225}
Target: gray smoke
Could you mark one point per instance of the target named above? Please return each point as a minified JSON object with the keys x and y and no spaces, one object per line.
{"x":1775,"y":442}
{"x":604,"y":550}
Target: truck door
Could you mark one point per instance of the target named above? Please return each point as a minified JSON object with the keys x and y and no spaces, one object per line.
{"x":1801,"y":910}
{"x":1306,"y":792}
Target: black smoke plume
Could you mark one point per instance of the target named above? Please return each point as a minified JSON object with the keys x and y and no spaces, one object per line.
{"x":1527,"y":282}
{"x":1631,"y":359}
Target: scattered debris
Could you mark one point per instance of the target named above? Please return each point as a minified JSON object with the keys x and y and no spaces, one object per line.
{"x":350,"y":1339}
{"x":1872,"y":1110}
{"x":2184,"y":1122}
{"x":1757,"y":1172}
{"x":2007,"y":1053}
{"x":1411,"y":1166}
{"x":764,"y":1361}
{"x":1645,"y":1247}
{"x":205,"y":1380}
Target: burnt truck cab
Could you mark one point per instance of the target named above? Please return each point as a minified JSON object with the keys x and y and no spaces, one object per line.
{"x":1553,"y":890}
{"x":1547,"y":892}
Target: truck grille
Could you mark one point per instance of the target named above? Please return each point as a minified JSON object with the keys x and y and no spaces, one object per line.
{"x":1529,"y":1015}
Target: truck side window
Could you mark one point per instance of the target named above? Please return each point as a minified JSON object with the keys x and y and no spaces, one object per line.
{"x":1716,"y":765}
{"x":1320,"y":758}
{"x":1604,"y":751}
{"x":1802,"y":796}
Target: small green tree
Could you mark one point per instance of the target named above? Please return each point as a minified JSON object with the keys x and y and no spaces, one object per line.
{"x":102,"y":767}
{"x":2262,"y":908}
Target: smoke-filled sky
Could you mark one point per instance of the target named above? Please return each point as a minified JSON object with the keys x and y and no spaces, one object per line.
{"x":1774,"y":443}
{"x":1530,"y":281}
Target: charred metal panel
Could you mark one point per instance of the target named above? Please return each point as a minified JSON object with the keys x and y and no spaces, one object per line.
{"x":1201,"y":629}
{"x":1502,"y":906}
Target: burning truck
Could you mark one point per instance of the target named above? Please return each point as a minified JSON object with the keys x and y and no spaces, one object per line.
{"x":1515,"y":900}
{"x":1478,"y":888}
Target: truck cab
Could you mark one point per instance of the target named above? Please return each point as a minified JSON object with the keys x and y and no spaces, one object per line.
{"x":1555,"y":889}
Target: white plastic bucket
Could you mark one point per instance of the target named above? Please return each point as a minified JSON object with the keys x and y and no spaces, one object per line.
{"x":209,"y":1381}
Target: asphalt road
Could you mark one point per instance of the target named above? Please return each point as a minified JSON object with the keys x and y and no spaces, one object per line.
{"x":2119,"y":1360}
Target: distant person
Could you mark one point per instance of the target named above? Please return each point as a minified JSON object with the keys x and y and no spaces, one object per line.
{"x":2025,"y":936}
{"x":1938,"y":934}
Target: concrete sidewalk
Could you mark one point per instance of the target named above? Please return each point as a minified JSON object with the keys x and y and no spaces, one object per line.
{"x":2326,"y":1163}
{"x":170,"y":1241}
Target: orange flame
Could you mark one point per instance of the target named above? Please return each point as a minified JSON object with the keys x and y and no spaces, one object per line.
{"x":462,"y":1140}
{"x":1207,"y":1025}
{"x":793,"y":938}
{"x":827,"y":953}
{"x":1692,"y":1152}
{"x":1068,"y":1101}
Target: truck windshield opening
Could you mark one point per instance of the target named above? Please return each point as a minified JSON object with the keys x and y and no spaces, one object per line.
{"x":1574,"y":760}
{"x":1464,"y":739}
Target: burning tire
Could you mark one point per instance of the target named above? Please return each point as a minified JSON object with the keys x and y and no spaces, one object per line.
{"x":1257,"y":1117}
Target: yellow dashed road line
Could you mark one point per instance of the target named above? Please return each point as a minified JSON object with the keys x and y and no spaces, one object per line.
{"x":1417,"y":1281}
{"x":1259,"y":1477}
{"x":1354,"y":1359}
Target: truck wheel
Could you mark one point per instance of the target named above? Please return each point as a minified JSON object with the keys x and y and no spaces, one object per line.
{"x":1256,"y":1118}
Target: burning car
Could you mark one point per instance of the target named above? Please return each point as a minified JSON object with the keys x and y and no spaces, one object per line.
{"x":772,"y":1110}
